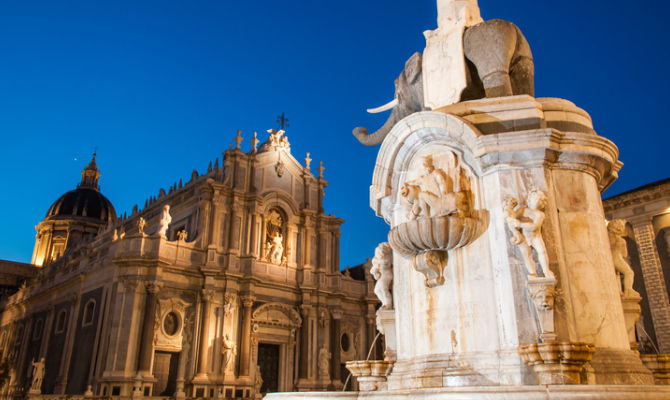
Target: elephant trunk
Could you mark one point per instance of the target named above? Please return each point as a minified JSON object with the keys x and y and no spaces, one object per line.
{"x":378,"y":136}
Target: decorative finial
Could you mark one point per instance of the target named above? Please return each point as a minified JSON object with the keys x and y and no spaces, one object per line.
{"x":307,"y":161}
{"x":254,"y":142}
{"x":282,"y":121}
{"x":321,"y":168}
{"x":238,"y":139}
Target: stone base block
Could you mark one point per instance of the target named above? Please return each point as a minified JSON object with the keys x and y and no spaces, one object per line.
{"x":659,"y":364}
{"x":445,"y":370}
{"x":619,"y":367}
{"x":550,"y":392}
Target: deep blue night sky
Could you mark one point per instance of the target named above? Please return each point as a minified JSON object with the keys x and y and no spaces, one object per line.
{"x":160,"y":87}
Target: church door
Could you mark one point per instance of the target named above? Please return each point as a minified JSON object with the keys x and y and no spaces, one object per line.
{"x":268,"y":360}
{"x":165,"y":372}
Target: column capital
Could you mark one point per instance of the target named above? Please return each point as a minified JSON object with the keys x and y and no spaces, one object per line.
{"x":208,"y":295}
{"x":640,"y":220}
{"x":153,"y":287}
{"x":336,"y":313}
{"x":305,"y":310}
{"x":247,"y":301}
{"x":73,"y":298}
{"x":131,"y":285}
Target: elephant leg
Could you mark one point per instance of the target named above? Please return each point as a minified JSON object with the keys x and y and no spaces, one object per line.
{"x":497,"y":84}
{"x":522,"y":76}
{"x":490,"y":46}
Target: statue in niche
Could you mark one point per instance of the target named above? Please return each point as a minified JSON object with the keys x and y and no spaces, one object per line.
{"x":228,"y":350}
{"x":615,"y":230}
{"x":164,"y":221}
{"x":229,"y":305}
{"x":324,"y":363}
{"x":436,"y":193}
{"x":274,"y":240}
{"x":525,"y":223}
{"x":276,"y":249}
{"x":382,"y":271}
{"x":38,"y":375}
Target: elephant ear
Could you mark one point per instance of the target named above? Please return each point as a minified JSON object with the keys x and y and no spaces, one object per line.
{"x":413,"y":67}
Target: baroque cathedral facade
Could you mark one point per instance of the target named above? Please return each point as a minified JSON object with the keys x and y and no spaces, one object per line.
{"x":227,"y":286}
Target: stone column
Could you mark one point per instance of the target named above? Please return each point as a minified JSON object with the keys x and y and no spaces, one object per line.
{"x":657,"y":293}
{"x":245,"y":353}
{"x":147,"y":344}
{"x":303,"y":365}
{"x":207,"y":297}
{"x":335,"y":333}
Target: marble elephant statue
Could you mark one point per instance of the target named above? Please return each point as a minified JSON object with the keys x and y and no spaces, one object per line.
{"x":499,"y":63}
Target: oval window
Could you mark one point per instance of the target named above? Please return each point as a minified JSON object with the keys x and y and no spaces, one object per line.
{"x":344,"y":342}
{"x":171,"y":324}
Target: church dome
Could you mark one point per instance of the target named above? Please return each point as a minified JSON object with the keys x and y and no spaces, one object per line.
{"x":83,"y":202}
{"x":86,"y":201}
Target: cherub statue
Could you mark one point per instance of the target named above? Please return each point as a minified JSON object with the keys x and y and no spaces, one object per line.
{"x":615,"y":230}
{"x":182,"y":235}
{"x":382,"y":271}
{"x":164,"y":221}
{"x":228,"y":350}
{"x":433,"y":194}
{"x":525,"y":223}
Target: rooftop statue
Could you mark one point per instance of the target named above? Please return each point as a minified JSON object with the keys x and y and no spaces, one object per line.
{"x":465,"y":58}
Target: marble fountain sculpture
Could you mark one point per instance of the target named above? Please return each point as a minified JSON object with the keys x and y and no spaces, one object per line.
{"x":500,"y":277}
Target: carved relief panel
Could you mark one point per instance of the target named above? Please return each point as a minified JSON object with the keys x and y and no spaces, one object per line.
{"x":437,"y":212}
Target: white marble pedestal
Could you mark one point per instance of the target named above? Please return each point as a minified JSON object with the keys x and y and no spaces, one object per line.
{"x":463,"y":293}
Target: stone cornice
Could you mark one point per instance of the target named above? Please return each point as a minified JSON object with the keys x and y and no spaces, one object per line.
{"x":638,"y":196}
{"x":537,"y":148}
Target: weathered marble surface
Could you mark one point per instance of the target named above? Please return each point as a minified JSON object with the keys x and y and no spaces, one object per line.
{"x":466,"y":330}
{"x":549,"y":392}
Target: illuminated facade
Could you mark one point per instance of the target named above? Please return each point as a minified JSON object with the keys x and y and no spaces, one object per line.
{"x":213,"y":285}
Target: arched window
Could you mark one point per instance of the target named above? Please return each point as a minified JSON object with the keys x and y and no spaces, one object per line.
{"x":274,"y":243}
{"x":60,"y":322}
{"x":37,"y":331}
{"x":89,"y":313}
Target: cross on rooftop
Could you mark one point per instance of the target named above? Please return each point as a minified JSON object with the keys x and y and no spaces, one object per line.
{"x":283,"y":121}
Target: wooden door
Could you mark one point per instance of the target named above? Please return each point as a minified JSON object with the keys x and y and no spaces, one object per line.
{"x":165,"y":372}
{"x":268,"y":360}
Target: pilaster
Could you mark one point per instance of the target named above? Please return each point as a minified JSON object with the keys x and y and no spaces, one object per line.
{"x":657,"y":293}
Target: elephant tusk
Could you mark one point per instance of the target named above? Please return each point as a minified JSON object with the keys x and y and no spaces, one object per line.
{"x":385,"y":107}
